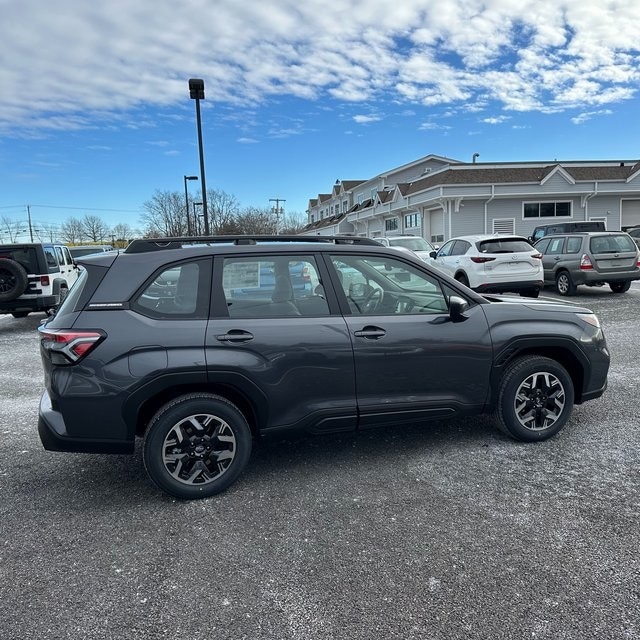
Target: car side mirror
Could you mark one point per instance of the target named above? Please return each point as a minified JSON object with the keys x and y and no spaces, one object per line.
{"x":458,"y":308}
{"x":433,"y":254}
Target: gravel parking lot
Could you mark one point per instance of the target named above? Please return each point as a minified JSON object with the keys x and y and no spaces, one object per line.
{"x":440,"y":531}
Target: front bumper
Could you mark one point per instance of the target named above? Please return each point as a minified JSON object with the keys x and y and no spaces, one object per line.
{"x":54,"y":436}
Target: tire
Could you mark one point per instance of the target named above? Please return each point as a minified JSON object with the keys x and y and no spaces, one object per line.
{"x":196,"y":446}
{"x":13,"y":280}
{"x":535,"y":399}
{"x":564,"y":284}
{"x":20,"y":314}
{"x":462,"y":279}
{"x":534,"y":292}
{"x":620,"y":287}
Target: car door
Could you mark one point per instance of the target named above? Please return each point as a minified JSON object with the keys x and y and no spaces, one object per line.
{"x":411,"y":360}
{"x":553,"y":257}
{"x":283,"y":345}
{"x":443,"y":259}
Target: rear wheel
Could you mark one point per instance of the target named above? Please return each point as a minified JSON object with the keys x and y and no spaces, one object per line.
{"x":197,"y":446}
{"x":462,"y":279}
{"x":20,"y":314}
{"x":564,"y":284}
{"x":620,"y":287}
{"x":535,"y":398}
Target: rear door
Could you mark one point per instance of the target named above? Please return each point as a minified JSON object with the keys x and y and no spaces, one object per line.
{"x":279,"y":338}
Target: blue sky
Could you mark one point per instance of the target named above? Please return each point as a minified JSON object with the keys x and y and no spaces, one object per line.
{"x":95,"y":114}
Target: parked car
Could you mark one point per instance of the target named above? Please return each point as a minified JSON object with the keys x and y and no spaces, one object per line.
{"x":565,"y":227}
{"x":201,"y":374}
{"x":415,"y":244}
{"x":591,"y":259}
{"x":34,"y":276}
{"x":492,"y":264}
{"x":634,"y":232}
{"x":78,"y":251}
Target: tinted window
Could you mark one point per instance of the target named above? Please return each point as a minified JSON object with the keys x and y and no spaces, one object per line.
{"x":573,"y":245}
{"x":503,"y":245}
{"x":612,"y":244}
{"x":415,"y":244}
{"x":26,"y":256}
{"x":382,"y":286}
{"x":273,"y":286}
{"x":178,"y":290}
{"x":460,"y":247}
{"x":542,"y":246}
{"x":52,"y":261}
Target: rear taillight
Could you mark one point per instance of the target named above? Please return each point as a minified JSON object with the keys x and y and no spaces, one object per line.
{"x":537,"y":256}
{"x":585,"y":262}
{"x":66,"y":346}
{"x":44,"y":281}
{"x":480,"y":259}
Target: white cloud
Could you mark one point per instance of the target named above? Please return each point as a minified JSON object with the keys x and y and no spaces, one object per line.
{"x":496,"y":119}
{"x":247,"y":141}
{"x":60,"y":68}
{"x":363,"y":119}
{"x":587,"y":115}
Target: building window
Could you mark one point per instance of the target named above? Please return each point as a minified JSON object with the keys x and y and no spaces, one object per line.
{"x":411,"y":221}
{"x":360,"y":198}
{"x":312,"y":218}
{"x":546,"y":209}
{"x":391,"y":224}
{"x":345,"y":206}
{"x":438,"y":237}
{"x":373,"y":194}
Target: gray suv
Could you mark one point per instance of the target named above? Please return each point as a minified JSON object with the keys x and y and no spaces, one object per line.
{"x":592,"y":259}
{"x":200,"y":346}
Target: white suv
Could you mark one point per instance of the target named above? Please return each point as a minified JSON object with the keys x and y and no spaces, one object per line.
{"x":413,"y":244}
{"x":34,"y":277}
{"x":492,"y":263}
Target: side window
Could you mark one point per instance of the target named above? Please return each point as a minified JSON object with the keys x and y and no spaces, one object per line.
{"x":67,"y":255}
{"x":60,"y":256}
{"x":542,"y":245}
{"x":387,"y":286}
{"x":52,"y":261}
{"x":460,"y":248}
{"x":555,"y":246}
{"x":272,"y":286}
{"x":446,"y":249}
{"x":573,"y":245}
{"x":179,"y":290}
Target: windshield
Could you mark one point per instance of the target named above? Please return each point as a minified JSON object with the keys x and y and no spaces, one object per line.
{"x":415,"y":244}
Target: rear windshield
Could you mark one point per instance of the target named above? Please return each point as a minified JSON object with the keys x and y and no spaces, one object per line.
{"x":503,"y":245}
{"x":415,"y":244}
{"x":612,"y":244}
{"x":26,"y":256}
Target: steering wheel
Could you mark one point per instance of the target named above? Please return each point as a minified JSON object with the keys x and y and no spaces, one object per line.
{"x":372,"y":301}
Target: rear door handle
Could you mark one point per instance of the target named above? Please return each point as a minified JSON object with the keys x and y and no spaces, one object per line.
{"x":370,"y":332}
{"x":235,"y":335}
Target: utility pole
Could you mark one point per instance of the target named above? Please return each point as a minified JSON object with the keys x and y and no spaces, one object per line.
{"x":30,"y":227}
{"x":277,"y":209}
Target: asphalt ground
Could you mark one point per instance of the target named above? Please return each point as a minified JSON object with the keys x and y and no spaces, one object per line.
{"x":441,"y":531}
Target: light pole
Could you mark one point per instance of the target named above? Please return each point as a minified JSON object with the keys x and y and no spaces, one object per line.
{"x":277,"y":209}
{"x":186,"y":201}
{"x":195,"y":217}
{"x":196,"y":92}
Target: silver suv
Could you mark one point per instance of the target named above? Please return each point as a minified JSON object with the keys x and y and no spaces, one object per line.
{"x":592,"y":259}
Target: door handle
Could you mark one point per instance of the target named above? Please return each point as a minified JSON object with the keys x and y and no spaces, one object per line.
{"x":370,"y":332}
{"x":235,"y":335}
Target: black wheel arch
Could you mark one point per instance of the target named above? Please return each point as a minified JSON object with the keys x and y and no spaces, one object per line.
{"x":143,"y":403}
{"x":562,"y":350}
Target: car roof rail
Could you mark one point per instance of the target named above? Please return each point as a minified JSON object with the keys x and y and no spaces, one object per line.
{"x":160,"y":244}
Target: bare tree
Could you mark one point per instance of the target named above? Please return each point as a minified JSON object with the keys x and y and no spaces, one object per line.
{"x":252,"y":220}
{"x":94,"y":228}
{"x":223,"y":208}
{"x":164,"y":215}
{"x":10,"y":228}
{"x":71,"y":231}
{"x":122,"y":233}
{"x":292,"y":223}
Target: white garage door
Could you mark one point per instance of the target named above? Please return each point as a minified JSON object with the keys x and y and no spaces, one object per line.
{"x":630,"y":213}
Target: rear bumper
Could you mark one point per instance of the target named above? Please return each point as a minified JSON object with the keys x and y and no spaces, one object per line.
{"x":512,"y":287}
{"x":54,"y":436}
{"x":592,"y":277}
{"x":43,"y":303}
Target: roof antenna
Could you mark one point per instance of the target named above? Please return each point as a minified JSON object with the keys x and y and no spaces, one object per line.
{"x":475,"y":155}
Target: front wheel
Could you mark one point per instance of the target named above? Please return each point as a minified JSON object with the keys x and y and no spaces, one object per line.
{"x":619,"y":287}
{"x":196,"y":446}
{"x":535,"y":398}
